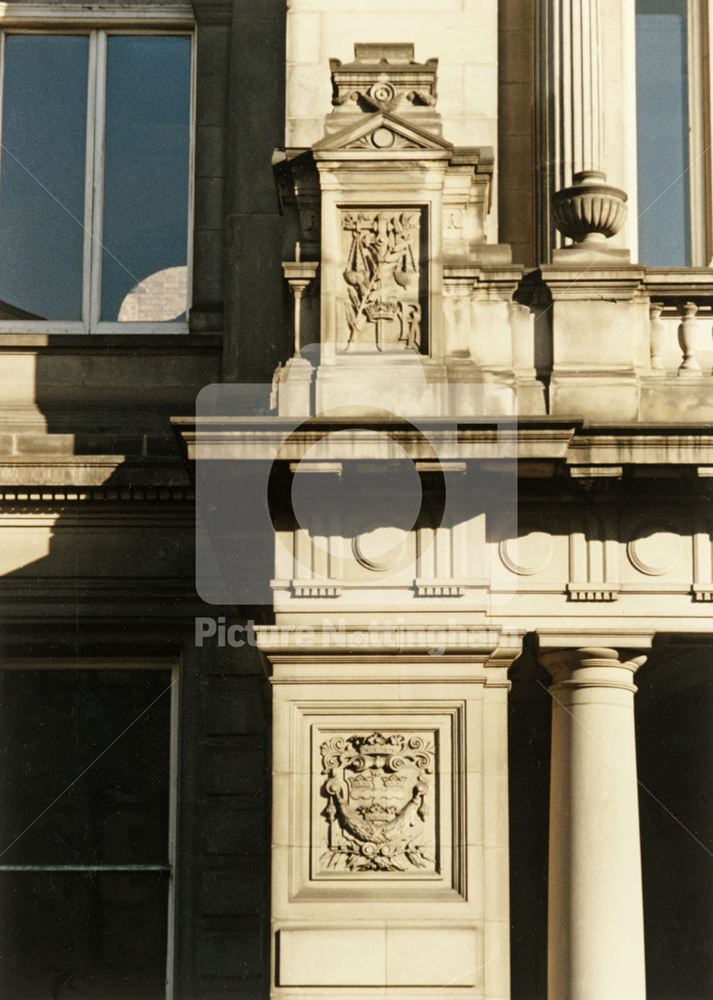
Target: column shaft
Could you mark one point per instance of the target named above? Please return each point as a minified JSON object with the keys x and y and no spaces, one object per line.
{"x":595,"y":913}
{"x":577,"y":88}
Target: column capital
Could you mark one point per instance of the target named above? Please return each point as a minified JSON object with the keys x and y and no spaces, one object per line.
{"x":591,"y":666}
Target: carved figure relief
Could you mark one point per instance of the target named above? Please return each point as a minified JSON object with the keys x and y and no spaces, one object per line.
{"x":377,"y":815}
{"x":383,"y":281}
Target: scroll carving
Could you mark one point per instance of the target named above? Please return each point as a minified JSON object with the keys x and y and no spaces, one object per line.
{"x":377,"y":789}
{"x":385,"y":77}
{"x":382,"y":277}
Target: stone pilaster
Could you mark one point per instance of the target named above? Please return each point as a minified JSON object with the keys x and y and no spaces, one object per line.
{"x":596,"y":932}
{"x":390,"y":860}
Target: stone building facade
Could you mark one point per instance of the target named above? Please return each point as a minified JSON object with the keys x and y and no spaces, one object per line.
{"x":357,"y":562}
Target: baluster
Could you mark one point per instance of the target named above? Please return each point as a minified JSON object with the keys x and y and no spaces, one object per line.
{"x":657,"y":336}
{"x":687,"y":340}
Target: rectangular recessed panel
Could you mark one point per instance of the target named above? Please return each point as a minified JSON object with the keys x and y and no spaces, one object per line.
{"x":419,"y":956}
{"x":354,"y":957}
{"x":331,"y":957}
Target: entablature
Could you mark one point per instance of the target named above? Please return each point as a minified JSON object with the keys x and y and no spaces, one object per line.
{"x":544,"y":446}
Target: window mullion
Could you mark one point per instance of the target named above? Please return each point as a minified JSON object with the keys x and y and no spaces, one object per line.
{"x":700,"y":228}
{"x":705,"y":27}
{"x":2,"y":98}
{"x":96,"y":172}
{"x":88,"y":182}
{"x":191,"y":173}
{"x":86,"y":868}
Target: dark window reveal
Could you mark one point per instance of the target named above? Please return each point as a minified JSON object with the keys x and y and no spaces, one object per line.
{"x":84,"y":875}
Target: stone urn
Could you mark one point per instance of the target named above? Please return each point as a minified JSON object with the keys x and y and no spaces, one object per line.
{"x":590,"y":211}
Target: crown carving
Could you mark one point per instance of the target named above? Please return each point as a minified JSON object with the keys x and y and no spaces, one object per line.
{"x":378,"y":744}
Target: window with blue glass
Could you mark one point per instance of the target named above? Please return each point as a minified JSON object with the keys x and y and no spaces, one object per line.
{"x":95,"y":152}
{"x":663,"y":132}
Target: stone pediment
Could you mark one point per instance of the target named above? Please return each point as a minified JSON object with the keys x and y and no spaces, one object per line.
{"x":383,"y":133}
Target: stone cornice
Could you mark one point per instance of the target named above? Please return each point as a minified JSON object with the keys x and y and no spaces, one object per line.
{"x":584,"y":449}
{"x":686,"y":284}
{"x":582,"y":282}
{"x":179,"y":15}
{"x":477,"y":653}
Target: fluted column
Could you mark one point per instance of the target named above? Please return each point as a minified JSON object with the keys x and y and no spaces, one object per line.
{"x":595,"y":909}
{"x":585,"y":208}
{"x":577,"y":78}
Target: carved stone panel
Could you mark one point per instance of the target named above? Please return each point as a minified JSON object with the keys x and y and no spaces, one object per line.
{"x":376,"y":801}
{"x":379,"y":811}
{"x":383,"y":290}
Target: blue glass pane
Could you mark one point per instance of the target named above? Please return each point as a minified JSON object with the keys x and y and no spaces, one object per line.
{"x":663,"y":122}
{"x":146,"y":178}
{"x":42,"y":165}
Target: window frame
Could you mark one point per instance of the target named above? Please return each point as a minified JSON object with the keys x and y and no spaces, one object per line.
{"x":699,"y":33}
{"x":155,"y":664}
{"x":98,"y":26}
{"x":700,"y":14}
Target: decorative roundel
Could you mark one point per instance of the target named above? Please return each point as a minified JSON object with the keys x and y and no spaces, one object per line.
{"x":380,"y":548}
{"x":527,"y":554}
{"x":656,"y":552}
{"x":383,"y":138}
{"x":382,"y":93}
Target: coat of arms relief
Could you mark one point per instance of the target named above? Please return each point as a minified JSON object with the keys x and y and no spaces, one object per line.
{"x":378,"y":814}
{"x":382,"y":275}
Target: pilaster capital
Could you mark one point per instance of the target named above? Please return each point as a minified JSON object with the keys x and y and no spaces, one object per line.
{"x":591,"y":666}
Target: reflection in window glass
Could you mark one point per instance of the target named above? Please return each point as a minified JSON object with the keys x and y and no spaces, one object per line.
{"x":64,"y":930}
{"x":146,"y":178}
{"x":663,"y":122}
{"x":42,"y":164}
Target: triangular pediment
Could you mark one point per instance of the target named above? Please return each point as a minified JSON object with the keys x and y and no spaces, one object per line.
{"x":383,"y":133}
